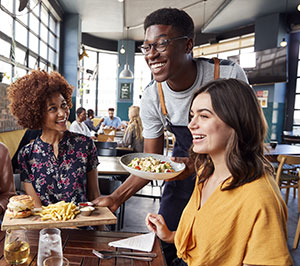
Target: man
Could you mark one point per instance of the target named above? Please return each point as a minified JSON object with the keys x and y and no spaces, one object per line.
{"x":112,"y":121}
{"x":78,"y":125}
{"x":168,"y":45}
{"x":89,"y":122}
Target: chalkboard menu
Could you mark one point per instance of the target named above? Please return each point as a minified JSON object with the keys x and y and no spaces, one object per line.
{"x":125,"y":91}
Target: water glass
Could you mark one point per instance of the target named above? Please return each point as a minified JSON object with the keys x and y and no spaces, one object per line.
{"x":49,"y":244}
{"x":56,"y":261}
{"x":16,"y":247}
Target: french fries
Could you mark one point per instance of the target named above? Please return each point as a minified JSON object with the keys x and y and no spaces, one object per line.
{"x":60,"y":211}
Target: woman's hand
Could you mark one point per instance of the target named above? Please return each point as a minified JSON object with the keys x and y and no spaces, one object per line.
{"x":189,"y":168}
{"x":157,"y":224}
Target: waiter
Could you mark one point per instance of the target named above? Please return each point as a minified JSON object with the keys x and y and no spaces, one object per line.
{"x":167,"y":47}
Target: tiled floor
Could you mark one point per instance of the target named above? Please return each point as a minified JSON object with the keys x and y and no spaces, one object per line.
{"x":137,"y":208}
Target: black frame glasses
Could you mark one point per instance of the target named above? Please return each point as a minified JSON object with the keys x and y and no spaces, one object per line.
{"x":159,"y":46}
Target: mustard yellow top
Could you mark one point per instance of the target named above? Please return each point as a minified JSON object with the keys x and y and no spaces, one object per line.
{"x":243,"y":225}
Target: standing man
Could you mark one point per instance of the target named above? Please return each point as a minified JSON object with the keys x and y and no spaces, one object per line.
{"x":112,"y":121}
{"x":167,"y":47}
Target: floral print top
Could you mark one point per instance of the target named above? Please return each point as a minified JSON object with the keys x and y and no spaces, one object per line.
{"x":62,"y":178}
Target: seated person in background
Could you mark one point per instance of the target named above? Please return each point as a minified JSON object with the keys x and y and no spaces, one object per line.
{"x":89,"y":123}
{"x":236,"y":215}
{"x":7,"y":185}
{"x":59,"y":164}
{"x":78,"y":126}
{"x":30,"y":135}
{"x":112,"y":121}
{"x":133,"y":136}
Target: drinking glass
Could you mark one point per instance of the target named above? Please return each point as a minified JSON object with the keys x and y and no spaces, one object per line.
{"x":49,"y":244}
{"x":16,"y":247}
{"x":56,"y":261}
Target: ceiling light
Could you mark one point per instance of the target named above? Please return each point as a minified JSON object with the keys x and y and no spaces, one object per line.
{"x":122,"y":50}
{"x":283,"y":43}
{"x":121,"y":1}
{"x":298,"y":7}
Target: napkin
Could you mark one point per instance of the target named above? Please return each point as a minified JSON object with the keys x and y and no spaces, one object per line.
{"x":142,"y":242}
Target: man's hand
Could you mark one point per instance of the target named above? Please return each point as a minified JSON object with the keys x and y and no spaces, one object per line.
{"x":106,"y":201}
{"x":189,"y":168}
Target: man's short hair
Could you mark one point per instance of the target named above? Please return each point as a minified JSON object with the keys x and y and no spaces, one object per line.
{"x":79,"y":110}
{"x":111,"y":109}
{"x":90,"y":112}
{"x":178,"y":19}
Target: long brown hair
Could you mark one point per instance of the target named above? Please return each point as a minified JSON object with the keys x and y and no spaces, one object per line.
{"x":135,"y":122}
{"x":235,"y":103}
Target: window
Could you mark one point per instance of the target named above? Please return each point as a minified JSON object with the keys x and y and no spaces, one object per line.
{"x":24,"y":38}
{"x":142,"y":77}
{"x":296,"y":120}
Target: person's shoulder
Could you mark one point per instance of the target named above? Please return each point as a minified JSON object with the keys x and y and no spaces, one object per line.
{"x":3,"y":148}
{"x":150,"y":87}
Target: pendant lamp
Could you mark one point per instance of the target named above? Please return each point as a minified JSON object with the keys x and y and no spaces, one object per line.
{"x":126,"y":72}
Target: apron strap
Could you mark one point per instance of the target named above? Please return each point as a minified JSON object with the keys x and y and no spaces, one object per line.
{"x":162,"y":99}
{"x":161,"y":94}
{"x":217,"y":68}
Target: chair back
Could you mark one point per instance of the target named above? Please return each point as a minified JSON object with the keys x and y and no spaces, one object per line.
{"x":291,"y":160}
{"x":103,"y":138}
{"x":106,"y":148}
{"x":109,"y":131}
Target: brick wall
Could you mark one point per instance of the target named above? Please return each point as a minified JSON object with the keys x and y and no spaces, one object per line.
{"x":7,"y":121}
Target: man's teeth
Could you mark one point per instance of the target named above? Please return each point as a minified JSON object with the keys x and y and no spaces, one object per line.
{"x":199,"y":137}
{"x":157,"y":65}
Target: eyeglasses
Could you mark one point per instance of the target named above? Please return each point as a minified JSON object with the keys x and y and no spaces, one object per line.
{"x":159,"y":46}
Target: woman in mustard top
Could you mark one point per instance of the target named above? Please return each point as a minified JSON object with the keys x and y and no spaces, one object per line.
{"x":236,"y":215}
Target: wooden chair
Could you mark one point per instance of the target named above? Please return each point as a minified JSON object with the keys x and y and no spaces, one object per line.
{"x":287,"y":177}
{"x":105,"y":138}
{"x":170,"y":141}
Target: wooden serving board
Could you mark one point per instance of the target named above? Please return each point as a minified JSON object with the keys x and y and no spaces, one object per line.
{"x":101,"y":215}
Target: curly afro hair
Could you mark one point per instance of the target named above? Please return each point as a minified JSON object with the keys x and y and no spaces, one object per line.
{"x":29,"y":94}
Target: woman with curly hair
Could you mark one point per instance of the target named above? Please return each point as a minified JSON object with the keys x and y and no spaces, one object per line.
{"x":236,"y":215}
{"x":58,"y":165}
{"x":133,"y":135}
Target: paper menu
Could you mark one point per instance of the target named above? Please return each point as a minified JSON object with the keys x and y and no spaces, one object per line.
{"x":142,"y":242}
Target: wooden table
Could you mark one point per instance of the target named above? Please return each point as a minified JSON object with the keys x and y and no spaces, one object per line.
{"x":284,"y":149}
{"x":78,"y":246}
{"x":110,"y":165}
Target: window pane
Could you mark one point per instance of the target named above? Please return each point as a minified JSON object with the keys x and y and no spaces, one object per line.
{"x":20,"y":56}
{"x":44,"y":15}
{"x":52,"y":57}
{"x":6,"y":68}
{"x":8,"y":4}
{"x":34,"y":24}
{"x":33,"y":42}
{"x":21,"y":34}
{"x":298,"y":86}
{"x":52,"y":24}
{"x":142,"y":77}
{"x":6,"y":23}
{"x":43,"y":50}
{"x":32,"y":63}
{"x":5,"y":48}
{"x":226,"y":54}
{"x":297,"y":117}
{"x":298,"y":74}
{"x":52,"y":40}
{"x":44,"y":33}
{"x":20,"y":72}
{"x":43,"y":66}
{"x":35,"y":7}
{"x":297,"y":101}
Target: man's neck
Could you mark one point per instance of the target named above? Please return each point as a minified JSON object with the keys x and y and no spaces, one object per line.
{"x":185,"y":77}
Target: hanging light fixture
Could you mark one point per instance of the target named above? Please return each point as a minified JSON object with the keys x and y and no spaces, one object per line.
{"x":126,"y":72}
{"x":298,"y":7}
{"x":122,"y":50}
{"x":284,"y":43}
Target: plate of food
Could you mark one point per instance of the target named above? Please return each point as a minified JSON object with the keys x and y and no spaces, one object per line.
{"x":151,"y":166}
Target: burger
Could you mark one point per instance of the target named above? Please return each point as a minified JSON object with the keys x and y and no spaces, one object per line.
{"x":20,"y":206}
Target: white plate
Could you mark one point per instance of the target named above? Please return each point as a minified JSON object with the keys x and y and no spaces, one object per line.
{"x":126,"y":159}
